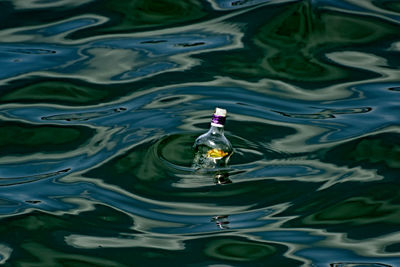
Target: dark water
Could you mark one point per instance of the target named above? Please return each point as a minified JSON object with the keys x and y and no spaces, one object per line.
{"x":101,"y":102}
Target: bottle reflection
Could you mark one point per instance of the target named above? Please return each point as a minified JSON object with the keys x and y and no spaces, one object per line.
{"x":222,"y":177}
{"x":221,"y":221}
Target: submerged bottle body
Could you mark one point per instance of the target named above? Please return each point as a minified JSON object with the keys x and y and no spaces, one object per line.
{"x":213,"y":149}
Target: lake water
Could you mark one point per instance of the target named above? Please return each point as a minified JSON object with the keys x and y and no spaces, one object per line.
{"x":101,"y":102}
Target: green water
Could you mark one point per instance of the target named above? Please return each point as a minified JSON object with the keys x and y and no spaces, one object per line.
{"x":101,"y":101}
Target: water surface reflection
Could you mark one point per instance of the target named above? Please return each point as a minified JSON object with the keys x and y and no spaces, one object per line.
{"x":100,"y":109}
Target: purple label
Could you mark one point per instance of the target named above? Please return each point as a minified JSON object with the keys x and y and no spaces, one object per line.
{"x":218,"y":119}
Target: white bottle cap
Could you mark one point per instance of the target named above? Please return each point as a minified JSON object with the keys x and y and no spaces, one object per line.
{"x":220,"y":112}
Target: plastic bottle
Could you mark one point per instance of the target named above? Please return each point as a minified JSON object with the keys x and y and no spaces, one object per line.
{"x":213,"y":149}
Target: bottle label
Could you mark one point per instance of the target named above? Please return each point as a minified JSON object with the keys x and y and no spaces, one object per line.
{"x":219,"y":120}
{"x":216,"y":153}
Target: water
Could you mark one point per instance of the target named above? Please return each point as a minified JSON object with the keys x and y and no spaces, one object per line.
{"x":101,"y":102}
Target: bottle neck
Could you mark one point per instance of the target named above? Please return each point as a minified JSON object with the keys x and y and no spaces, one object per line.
{"x":218,"y":120}
{"x":216,"y":129}
{"x":217,"y":124}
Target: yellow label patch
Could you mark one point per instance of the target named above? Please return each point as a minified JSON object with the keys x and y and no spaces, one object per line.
{"x":216,"y":153}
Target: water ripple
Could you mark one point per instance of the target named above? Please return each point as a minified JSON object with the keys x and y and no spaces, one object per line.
{"x":99,"y":112}
{"x":103,"y":60}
